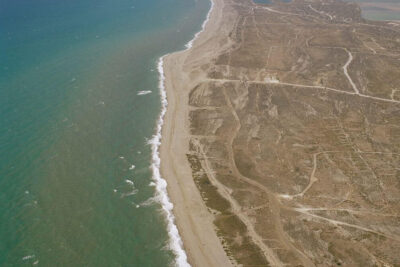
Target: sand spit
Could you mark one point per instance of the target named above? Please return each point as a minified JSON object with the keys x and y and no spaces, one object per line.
{"x":194,"y":222}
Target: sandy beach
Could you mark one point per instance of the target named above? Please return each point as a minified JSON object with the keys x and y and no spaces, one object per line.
{"x":194,"y":221}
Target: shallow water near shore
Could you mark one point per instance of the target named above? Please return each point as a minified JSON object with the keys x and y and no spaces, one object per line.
{"x":78,"y":102}
{"x":379,"y":9}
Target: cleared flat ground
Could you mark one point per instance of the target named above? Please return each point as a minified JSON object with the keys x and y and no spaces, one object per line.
{"x":294,"y":133}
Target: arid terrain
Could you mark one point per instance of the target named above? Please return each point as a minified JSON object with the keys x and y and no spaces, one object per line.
{"x":294,"y":133}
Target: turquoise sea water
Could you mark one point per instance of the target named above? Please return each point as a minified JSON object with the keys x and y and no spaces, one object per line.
{"x":72,"y":125}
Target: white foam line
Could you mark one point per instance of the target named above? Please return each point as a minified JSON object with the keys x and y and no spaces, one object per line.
{"x":129,"y":182}
{"x":144,"y":92}
{"x":190,"y":43}
{"x":175,"y":241}
{"x":27,"y":257}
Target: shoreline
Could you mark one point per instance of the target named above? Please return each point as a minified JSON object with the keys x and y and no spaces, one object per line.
{"x":175,"y":241}
{"x":188,"y":214}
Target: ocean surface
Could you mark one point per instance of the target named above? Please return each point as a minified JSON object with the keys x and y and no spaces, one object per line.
{"x":380,"y":9}
{"x":79,"y":103}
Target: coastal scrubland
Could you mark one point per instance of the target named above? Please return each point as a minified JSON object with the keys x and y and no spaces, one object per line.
{"x":289,"y":122}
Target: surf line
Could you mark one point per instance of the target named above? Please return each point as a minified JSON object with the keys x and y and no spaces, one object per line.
{"x":175,"y":241}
